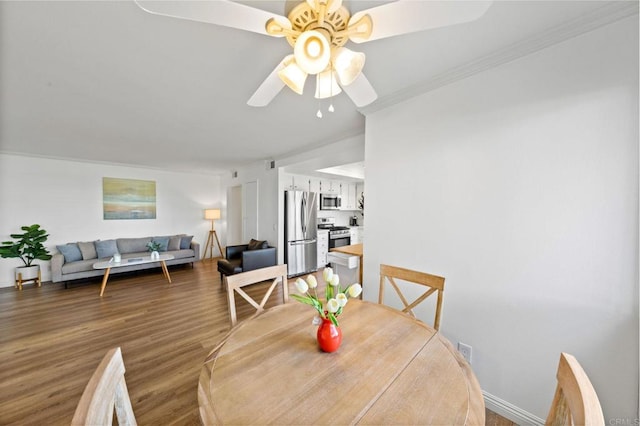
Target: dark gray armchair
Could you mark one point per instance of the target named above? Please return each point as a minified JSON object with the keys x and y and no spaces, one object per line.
{"x":247,"y":257}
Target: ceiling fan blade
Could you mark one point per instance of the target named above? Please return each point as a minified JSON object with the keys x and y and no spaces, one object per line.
{"x":407,"y":16}
{"x":269,"y":88}
{"x":361,"y":91}
{"x":219,"y":12}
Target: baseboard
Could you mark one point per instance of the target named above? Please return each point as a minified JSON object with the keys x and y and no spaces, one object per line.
{"x":510,"y":411}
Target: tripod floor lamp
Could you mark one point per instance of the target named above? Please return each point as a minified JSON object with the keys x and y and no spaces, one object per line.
{"x":212,"y":215}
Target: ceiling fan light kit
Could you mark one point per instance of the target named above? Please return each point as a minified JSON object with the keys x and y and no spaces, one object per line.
{"x":312,"y":52}
{"x":318,"y":30}
{"x":348,"y":64}
{"x":292,"y":75}
{"x":327,"y":85}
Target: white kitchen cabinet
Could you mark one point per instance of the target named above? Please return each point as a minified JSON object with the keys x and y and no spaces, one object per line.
{"x":349,"y":199}
{"x":323,"y":247}
{"x":314,"y":185}
{"x":296,"y":182}
{"x":329,"y":186}
{"x":356,"y":233}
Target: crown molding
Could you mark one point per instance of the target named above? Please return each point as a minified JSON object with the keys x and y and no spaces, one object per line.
{"x":600,"y":17}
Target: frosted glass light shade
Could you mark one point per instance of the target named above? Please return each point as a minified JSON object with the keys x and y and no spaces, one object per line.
{"x":293,"y":76}
{"x":212,"y":214}
{"x":348,"y":65}
{"x":312,"y":51}
{"x":327,"y":85}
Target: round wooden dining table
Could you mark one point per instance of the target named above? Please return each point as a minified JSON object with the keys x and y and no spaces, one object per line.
{"x":390,"y":369}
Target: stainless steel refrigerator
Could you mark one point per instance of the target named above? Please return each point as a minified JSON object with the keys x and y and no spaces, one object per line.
{"x":300,"y":231}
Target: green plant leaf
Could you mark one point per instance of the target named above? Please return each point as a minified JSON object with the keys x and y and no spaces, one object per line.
{"x":306,"y":300}
{"x":333,"y":319}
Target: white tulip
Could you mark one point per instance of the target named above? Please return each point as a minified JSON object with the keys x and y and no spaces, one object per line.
{"x":333,"y":306}
{"x":327,"y":274}
{"x":342,"y":299}
{"x":355,"y":290}
{"x":302,"y":286}
{"x":335,"y":280}
{"x":311,"y":280}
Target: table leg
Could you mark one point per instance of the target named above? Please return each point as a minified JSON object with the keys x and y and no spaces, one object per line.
{"x":104,"y":280}
{"x":165,"y":271}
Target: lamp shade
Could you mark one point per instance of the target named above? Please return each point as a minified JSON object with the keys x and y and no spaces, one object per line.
{"x":292,"y":75}
{"x":212,"y":214}
{"x":348,"y":65}
{"x":326,"y":85}
{"x":312,"y":51}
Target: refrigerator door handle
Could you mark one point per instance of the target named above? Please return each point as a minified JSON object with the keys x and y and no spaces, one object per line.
{"x":303,"y":211}
{"x":303,"y":242}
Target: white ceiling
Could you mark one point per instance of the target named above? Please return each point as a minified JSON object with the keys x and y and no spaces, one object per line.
{"x":105,"y":81}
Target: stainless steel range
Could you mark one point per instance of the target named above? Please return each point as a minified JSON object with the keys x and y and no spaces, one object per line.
{"x":338,"y":235}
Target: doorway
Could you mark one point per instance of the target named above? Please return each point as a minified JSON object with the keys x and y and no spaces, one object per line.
{"x":242,"y":213}
{"x":249,"y":211}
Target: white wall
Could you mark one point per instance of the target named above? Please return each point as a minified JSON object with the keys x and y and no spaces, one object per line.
{"x":520,"y":186}
{"x":65,"y":198}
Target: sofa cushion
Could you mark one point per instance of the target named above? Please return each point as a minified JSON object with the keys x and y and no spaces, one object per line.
{"x":106,"y":248}
{"x":257,"y":245}
{"x":181,"y":254}
{"x":133,"y":245}
{"x":174,"y":243}
{"x":79,"y":266}
{"x":88,"y":250}
{"x":162,"y":241}
{"x":185,"y":241}
{"x":71,"y":252}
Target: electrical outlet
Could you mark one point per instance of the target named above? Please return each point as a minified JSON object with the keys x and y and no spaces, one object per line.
{"x":465,"y":350}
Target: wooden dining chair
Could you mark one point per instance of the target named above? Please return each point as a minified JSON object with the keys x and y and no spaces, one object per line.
{"x":433,"y":282}
{"x":105,"y":391}
{"x":278,"y":274}
{"x":575,"y":400}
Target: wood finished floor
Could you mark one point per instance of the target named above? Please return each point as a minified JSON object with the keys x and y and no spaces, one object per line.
{"x":52,"y":339}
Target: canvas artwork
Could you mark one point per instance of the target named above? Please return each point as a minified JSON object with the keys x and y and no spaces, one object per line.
{"x":128,"y":199}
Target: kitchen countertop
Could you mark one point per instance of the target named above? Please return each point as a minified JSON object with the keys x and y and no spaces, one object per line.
{"x":353,"y":249}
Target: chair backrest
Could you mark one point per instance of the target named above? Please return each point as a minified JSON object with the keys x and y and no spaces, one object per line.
{"x":105,"y":391}
{"x":575,"y":400}
{"x":433,"y":282}
{"x":235,"y":283}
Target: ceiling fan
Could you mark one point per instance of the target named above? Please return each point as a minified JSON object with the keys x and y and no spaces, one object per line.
{"x":318,"y":31}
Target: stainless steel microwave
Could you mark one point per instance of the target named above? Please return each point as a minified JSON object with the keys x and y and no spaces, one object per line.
{"x":330,"y":202}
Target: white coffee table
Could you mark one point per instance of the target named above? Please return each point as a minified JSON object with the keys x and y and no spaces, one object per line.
{"x":107,"y":265}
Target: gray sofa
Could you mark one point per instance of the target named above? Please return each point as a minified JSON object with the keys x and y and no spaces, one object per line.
{"x":75,"y":260}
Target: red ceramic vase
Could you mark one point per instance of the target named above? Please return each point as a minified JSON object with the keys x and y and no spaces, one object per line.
{"x":329,"y":336}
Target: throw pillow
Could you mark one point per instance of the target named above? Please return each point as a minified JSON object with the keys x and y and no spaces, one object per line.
{"x":106,"y":248}
{"x":88,"y":250}
{"x":70,"y":251}
{"x":185,"y":242}
{"x":163,"y":241}
{"x":257,"y":245}
{"x":174,"y":243}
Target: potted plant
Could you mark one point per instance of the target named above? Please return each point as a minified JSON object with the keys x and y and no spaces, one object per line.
{"x":27,"y":247}
{"x":153,"y":247}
